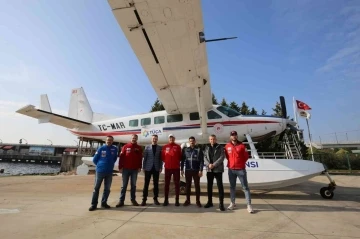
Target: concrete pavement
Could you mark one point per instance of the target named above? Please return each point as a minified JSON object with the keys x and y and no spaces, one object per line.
{"x":57,"y":207}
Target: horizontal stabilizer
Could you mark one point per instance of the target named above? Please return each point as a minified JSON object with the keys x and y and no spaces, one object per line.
{"x":48,"y":117}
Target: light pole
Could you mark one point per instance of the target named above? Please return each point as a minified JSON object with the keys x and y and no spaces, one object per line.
{"x":50,"y":141}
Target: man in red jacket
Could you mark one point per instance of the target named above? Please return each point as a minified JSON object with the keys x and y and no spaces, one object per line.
{"x":171,"y":155}
{"x":237,"y":155}
{"x":130,"y":162}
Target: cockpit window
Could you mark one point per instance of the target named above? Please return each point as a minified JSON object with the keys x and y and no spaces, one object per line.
{"x":228,"y":111}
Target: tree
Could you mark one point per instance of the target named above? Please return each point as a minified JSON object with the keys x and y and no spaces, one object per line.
{"x":253,"y":111}
{"x":277,"y":110}
{"x":244,"y":109}
{"x":158,"y":106}
{"x":234,"y":106}
{"x":214,"y":100}
{"x":263,"y":112}
{"x":224,"y":103}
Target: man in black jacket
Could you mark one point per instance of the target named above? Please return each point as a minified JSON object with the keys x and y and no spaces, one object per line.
{"x":214,"y":161}
{"x":193,"y":160}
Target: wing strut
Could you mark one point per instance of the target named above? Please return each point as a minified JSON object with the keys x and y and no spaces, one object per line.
{"x":202,"y":112}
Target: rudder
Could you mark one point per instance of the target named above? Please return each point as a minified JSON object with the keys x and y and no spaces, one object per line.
{"x":79,"y":106}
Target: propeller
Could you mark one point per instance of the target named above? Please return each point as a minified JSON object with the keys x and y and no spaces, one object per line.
{"x":284,"y":114}
{"x":283,"y":107}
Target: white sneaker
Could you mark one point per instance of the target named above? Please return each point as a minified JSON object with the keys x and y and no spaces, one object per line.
{"x":231,"y":206}
{"x":250,"y":209}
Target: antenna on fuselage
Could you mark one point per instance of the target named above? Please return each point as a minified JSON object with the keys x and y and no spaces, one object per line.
{"x":202,"y":38}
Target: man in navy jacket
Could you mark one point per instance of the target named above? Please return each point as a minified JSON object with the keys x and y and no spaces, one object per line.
{"x":104,"y":159}
{"x":193,"y":161}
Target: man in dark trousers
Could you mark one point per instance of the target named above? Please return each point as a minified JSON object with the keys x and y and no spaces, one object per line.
{"x":193,"y":160}
{"x":130,"y":165}
{"x":214,"y":162}
{"x":104,"y":159}
{"x":152,"y":166}
{"x":171,"y":156}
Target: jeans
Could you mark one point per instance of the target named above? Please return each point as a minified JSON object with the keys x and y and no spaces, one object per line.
{"x":99,"y":177}
{"x":241,"y":174}
{"x":126,"y":174}
{"x":210,"y":180}
{"x":189,"y":176}
{"x":176,"y":173}
{"x":155,"y":174}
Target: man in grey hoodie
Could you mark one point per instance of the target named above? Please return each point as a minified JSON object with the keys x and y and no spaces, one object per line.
{"x":214,"y":161}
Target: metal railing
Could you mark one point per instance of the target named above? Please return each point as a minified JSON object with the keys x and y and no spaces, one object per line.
{"x":297,"y":145}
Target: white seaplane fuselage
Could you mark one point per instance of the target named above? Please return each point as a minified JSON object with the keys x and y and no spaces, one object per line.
{"x":220,"y":121}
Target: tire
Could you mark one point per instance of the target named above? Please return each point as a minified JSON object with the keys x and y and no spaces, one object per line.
{"x":326,"y":193}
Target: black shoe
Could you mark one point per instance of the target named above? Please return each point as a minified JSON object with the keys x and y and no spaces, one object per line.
{"x":143,"y":203}
{"x":156,"y":202}
{"x":208,"y":204}
{"x":105,"y":205}
{"x":92,"y":208}
{"x":120,"y":204}
{"x":177,"y":203}
{"x":166,"y":202}
{"x":134,"y":203}
{"x":221,"y":207}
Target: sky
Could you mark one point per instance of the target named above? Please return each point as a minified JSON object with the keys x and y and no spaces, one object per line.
{"x":305,"y":49}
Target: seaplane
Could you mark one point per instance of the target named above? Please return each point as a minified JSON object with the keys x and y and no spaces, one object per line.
{"x":169,"y":41}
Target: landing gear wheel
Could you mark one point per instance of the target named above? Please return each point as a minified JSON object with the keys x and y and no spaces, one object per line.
{"x":326,"y":193}
{"x":182,"y":188}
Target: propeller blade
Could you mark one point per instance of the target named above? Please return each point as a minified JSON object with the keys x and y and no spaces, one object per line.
{"x":283,"y":106}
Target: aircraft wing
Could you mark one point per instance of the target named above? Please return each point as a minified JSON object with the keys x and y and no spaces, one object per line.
{"x":165,"y":36}
{"x":48,"y":117}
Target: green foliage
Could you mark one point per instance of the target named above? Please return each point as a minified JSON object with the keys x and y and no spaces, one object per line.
{"x":334,"y":160}
{"x":244,"y":109}
{"x":253,"y":111}
{"x":277,"y":110}
{"x":158,"y":106}
{"x":234,"y":106}
{"x":214,"y":100}
{"x":223,"y":102}
{"x":342,"y":152}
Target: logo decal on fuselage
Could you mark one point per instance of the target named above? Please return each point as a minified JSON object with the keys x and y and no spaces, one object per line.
{"x":148,"y":132}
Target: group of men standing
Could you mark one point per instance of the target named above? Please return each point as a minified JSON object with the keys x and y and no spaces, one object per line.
{"x":188,"y":162}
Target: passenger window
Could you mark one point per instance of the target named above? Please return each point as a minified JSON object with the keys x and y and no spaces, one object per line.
{"x":159,"y":120}
{"x":213,"y":115}
{"x":174,"y":118}
{"x":133,"y":123}
{"x":194,"y":116}
{"x":145,"y":121}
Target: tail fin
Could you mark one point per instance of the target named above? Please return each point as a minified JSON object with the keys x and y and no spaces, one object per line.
{"x":44,"y":103}
{"x":45,"y":106}
{"x":80,"y":108}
